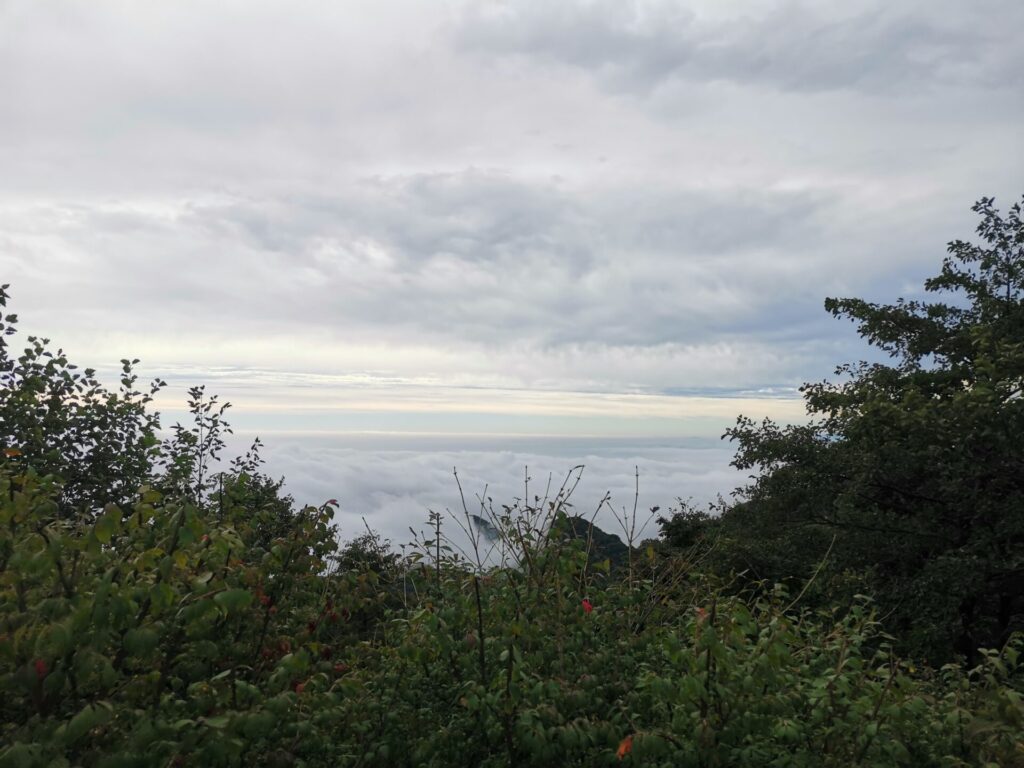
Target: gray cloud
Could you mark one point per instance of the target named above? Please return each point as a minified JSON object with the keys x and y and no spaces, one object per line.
{"x":394,"y":482}
{"x":808,"y":47}
{"x":615,"y":196}
{"x":470,"y":257}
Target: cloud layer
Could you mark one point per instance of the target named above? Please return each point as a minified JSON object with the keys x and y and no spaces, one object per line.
{"x":629,"y":197}
{"x":873,"y":47}
{"x":393,"y":482}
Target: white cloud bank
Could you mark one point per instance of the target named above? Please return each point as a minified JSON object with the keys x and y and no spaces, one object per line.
{"x":394,"y":481}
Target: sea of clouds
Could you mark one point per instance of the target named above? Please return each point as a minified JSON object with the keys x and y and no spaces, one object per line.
{"x":394,"y":481}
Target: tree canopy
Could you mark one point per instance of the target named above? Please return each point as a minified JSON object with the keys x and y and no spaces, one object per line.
{"x":909,"y":473}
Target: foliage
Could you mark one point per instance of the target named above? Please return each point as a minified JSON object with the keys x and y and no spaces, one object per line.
{"x":63,"y":421}
{"x":551,"y":664}
{"x":160,"y":634}
{"x":124,"y":637}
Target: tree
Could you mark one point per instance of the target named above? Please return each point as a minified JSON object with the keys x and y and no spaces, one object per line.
{"x":102,"y":444}
{"x":910,"y":472}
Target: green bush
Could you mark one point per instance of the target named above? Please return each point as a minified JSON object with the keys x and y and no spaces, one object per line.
{"x":159,"y":634}
{"x":142,"y":636}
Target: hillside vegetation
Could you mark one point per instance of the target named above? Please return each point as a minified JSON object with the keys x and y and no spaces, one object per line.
{"x":860,"y":603}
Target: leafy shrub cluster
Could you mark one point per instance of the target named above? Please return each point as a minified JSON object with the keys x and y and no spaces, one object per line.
{"x":909,"y":474}
{"x":166,"y":632}
{"x":160,"y":609}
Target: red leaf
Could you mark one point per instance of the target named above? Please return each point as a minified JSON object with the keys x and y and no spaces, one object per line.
{"x":625,"y":747}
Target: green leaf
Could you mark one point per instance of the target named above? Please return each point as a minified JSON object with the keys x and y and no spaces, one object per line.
{"x":53,"y":641}
{"x":233,"y":600}
{"x":19,"y":755}
{"x":108,"y":524}
{"x":140,"y":641}
{"x":87,"y":719}
{"x":162,"y":596}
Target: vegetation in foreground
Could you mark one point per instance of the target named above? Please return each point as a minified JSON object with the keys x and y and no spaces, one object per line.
{"x":157,"y":611}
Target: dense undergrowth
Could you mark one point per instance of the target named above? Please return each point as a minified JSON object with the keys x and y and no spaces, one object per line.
{"x":158,"y":608}
{"x":170,"y":632}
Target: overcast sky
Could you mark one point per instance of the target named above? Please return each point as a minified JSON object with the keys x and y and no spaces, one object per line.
{"x":549,"y":217}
